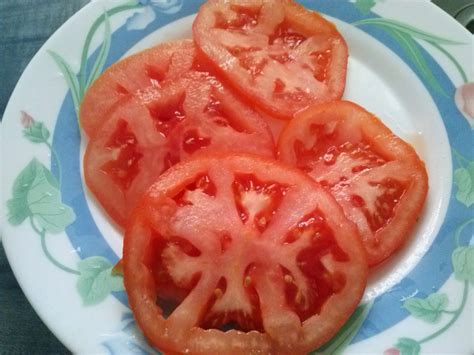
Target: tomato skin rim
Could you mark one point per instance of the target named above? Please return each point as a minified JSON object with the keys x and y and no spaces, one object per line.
{"x":297,"y":11}
{"x":139,"y":280}
{"x":390,"y":146}
{"x":116,"y":217}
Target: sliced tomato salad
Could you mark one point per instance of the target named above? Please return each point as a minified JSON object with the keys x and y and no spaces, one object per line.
{"x":254,"y":256}
{"x":144,"y":136}
{"x":135,"y":75}
{"x":279,"y":55}
{"x":377,"y":178}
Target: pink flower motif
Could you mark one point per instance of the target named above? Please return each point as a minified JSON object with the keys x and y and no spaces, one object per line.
{"x":26,"y":120}
{"x":464,"y":99}
{"x":391,"y":351}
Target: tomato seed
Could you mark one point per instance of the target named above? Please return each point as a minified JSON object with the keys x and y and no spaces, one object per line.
{"x":247,"y":281}
{"x":218,"y":293}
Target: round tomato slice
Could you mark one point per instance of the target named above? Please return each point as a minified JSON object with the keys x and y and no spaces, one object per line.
{"x":134,"y":75}
{"x":253,"y":255}
{"x":278,"y":54}
{"x":140,"y":138}
{"x":378,"y":179}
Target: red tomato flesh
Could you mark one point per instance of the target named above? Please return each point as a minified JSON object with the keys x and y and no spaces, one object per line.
{"x":279,"y":55}
{"x":134,"y":75}
{"x":144,"y":134}
{"x":377,"y":178}
{"x":244,"y":243}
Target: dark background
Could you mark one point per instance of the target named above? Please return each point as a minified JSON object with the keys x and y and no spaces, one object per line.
{"x":24,"y":26}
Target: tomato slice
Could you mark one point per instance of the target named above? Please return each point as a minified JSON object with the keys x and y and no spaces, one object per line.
{"x":278,"y":54}
{"x":134,"y":75}
{"x":255,"y":256}
{"x":378,"y":179}
{"x":142,"y":137}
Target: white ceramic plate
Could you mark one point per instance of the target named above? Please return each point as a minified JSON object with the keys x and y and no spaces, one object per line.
{"x":409,"y":63}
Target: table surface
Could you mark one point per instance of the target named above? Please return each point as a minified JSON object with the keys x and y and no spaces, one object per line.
{"x":24,"y":26}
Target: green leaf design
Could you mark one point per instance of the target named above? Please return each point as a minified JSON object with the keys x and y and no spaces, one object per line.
{"x":463,"y":263}
{"x":413,"y":32}
{"x":96,"y":280}
{"x":364,"y":6}
{"x":17,"y":210}
{"x":70,"y":77}
{"x":101,"y":58}
{"x":17,"y":206}
{"x":408,"y":346}
{"x":451,"y":58}
{"x":36,"y":133}
{"x":44,"y":202}
{"x":36,"y":193}
{"x":85,"y":49}
{"x":348,"y":331}
{"x":414,"y":53}
{"x":429,"y":309}
{"x":464,"y":180}
{"x":406,"y":29}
